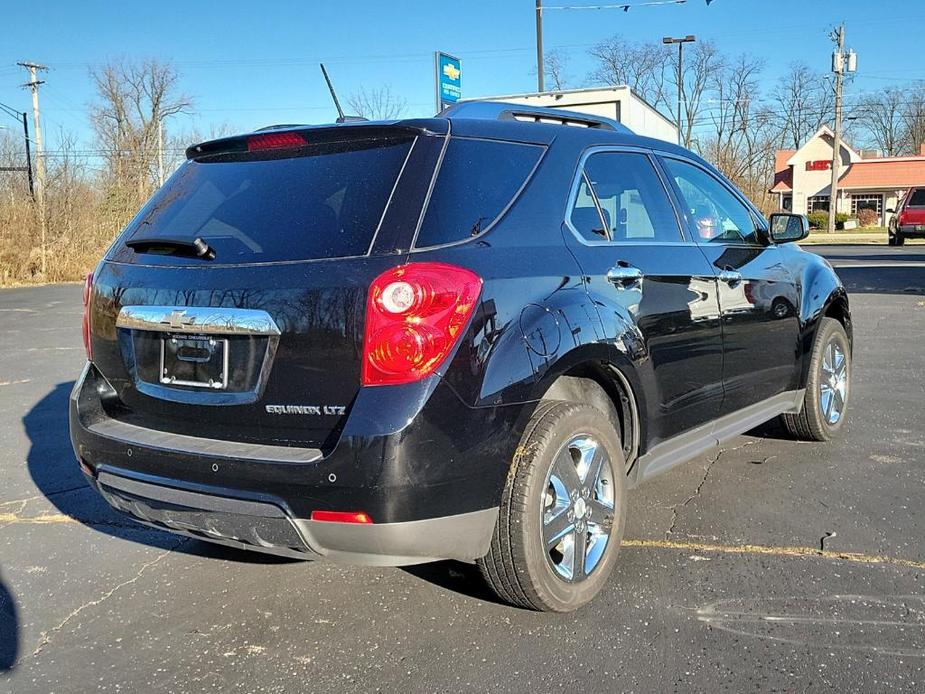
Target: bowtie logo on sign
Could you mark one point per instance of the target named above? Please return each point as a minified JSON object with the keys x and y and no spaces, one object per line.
{"x":451,"y":71}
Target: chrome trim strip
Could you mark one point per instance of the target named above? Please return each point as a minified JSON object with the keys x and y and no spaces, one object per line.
{"x":134,"y":435}
{"x":201,"y":320}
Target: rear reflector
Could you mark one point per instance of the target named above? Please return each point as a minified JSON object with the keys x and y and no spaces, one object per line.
{"x":85,"y":327}
{"x":342,"y":517}
{"x":256,"y":143}
{"x":415,"y":314}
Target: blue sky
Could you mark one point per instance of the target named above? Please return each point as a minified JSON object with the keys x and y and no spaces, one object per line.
{"x":249,"y":64}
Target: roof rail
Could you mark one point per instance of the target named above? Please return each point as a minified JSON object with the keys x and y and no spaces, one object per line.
{"x":499,"y":110}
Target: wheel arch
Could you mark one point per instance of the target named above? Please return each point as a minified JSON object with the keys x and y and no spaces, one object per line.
{"x":595,"y":377}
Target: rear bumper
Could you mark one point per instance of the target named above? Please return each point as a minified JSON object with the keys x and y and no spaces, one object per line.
{"x":266,"y":527}
{"x":911,"y":231}
{"x":427,"y":498}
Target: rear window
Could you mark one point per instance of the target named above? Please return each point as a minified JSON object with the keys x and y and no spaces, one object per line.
{"x":917,"y":199}
{"x":477,"y":181}
{"x":325,"y":202}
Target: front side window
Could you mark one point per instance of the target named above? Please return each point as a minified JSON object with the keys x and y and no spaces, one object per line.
{"x":621,"y":199}
{"x":718,"y":216}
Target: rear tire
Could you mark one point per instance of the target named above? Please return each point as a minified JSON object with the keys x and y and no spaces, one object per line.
{"x":828,"y":386}
{"x":563,"y":511}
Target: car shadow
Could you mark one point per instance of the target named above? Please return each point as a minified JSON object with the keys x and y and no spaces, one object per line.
{"x":456,"y":577}
{"x":54,"y":471}
{"x":9,"y":629}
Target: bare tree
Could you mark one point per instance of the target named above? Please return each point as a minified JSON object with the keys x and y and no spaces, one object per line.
{"x":377,"y":104}
{"x":133,"y":99}
{"x":640,"y":66}
{"x":555,"y":66}
{"x":880,"y":117}
{"x":700,"y":68}
{"x":742,"y":136}
{"x":803,"y":101}
{"x":913,"y":116}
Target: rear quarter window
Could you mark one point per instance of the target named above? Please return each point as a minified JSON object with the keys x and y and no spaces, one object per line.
{"x":917,"y":198}
{"x":477,"y":181}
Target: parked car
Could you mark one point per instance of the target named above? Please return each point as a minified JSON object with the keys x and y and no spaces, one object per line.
{"x":908,"y":220}
{"x":463,"y":337}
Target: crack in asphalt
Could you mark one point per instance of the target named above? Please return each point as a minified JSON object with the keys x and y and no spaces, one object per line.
{"x":46,"y":636}
{"x":706,"y":474}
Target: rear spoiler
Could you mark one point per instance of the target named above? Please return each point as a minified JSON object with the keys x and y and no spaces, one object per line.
{"x":238,"y":144}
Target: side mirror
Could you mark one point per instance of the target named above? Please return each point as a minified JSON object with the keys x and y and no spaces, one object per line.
{"x":786,"y":227}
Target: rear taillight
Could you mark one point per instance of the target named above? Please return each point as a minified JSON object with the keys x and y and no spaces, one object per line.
{"x":902,"y":218}
{"x":275,"y":141}
{"x":414,"y":316}
{"x":88,"y":288}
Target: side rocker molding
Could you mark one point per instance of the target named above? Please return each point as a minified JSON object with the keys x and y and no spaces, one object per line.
{"x":690,"y":444}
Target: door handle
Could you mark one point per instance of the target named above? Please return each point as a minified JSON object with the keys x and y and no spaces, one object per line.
{"x":730,"y":277}
{"x":623,"y":276}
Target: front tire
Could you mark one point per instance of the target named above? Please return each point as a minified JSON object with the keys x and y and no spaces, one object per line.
{"x":563,"y":511}
{"x":828,"y":386}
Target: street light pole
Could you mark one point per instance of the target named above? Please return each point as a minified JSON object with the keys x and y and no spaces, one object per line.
{"x":540,"y":77}
{"x":681,"y":40}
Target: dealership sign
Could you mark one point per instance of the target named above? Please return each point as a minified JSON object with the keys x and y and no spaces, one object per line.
{"x":819,"y":165}
{"x":448,"y":82}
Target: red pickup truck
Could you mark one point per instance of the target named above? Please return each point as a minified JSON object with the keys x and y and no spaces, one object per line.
{"x":909,"y":218}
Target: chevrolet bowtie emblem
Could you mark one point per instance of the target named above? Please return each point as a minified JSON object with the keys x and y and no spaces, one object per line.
{"x":451,"y":71}
{"x":178,"y":320}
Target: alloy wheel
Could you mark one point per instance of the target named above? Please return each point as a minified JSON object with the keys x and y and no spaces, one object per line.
{"x":833,"y":384}
{"x":578,"y":508}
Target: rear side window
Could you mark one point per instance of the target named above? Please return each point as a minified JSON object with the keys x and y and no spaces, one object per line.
{"x":478,"y":179}
{"x":917,"y":198}
{"x":324,"y":201}
{"x":634,"y":206}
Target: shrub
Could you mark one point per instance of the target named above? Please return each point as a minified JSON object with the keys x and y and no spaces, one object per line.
{"x":818,"y":219}
{"x":867,"y":217}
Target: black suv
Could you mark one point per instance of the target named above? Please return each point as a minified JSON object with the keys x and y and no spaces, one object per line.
{"x":462,"y":337}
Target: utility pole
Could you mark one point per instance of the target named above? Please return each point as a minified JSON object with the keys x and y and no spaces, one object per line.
{"x":841,"y":63}
{"x":540,"y":77}
{"x":33,"y":84}
{"x":160,"y":150}
{"x":681,"y":40}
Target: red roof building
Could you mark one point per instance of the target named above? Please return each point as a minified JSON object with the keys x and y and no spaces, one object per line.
{"x":803,"y":178}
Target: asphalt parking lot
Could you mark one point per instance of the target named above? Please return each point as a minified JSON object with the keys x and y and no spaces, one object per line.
{"x":721,"y":584}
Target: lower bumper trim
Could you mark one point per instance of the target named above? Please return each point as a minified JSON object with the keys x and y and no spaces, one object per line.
{"x":266,"y":527}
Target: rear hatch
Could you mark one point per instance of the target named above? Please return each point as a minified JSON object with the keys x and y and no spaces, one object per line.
{"x":232,"y":306}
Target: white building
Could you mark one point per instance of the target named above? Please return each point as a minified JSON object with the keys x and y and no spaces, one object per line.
{"x":619,"y":103}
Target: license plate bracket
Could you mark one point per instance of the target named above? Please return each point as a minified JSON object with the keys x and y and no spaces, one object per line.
{"x":195,"y":361}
